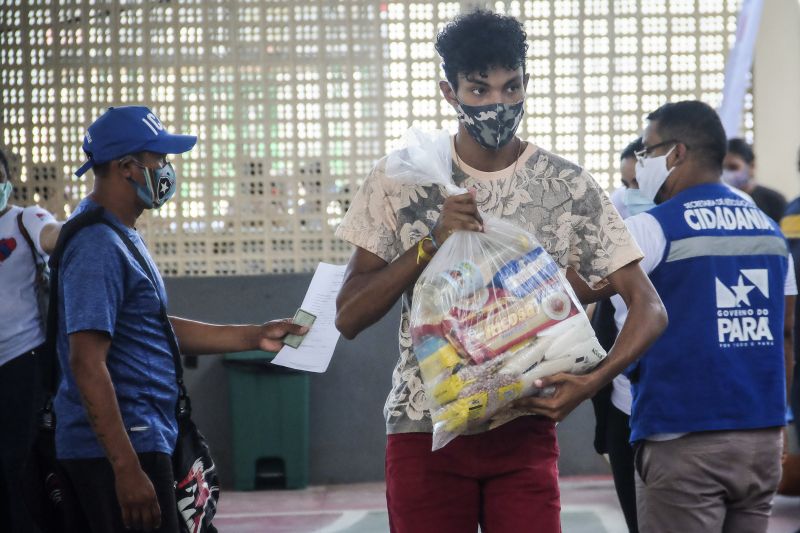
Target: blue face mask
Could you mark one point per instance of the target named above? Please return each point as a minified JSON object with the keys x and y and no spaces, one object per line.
{"x":5,"y":194}
{"x":637,"y":202}
{"x":164,"y":180}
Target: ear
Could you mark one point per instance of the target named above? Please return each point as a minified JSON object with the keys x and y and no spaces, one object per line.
{"x":447,"y":92}
{"x":525,"y":79}
{"x":123,"y":167}
{"x":678,"y":155}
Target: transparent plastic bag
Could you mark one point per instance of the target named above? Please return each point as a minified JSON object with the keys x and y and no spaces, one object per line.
{"x":491,"y":312}
{"x":425,"y":160}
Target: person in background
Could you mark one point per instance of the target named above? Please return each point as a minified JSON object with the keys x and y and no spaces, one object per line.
{"x":505,"y":479}
{"x":790,"y":226}
{"x":616,"y":427}
{"x":738,"y":170}
{"x":612,"y":405}
{"x":27,"y":236}
{"x":116,"y":401}
{"x":709,"y":396}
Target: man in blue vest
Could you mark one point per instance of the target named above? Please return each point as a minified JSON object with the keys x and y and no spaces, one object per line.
{"x":709,"y":396}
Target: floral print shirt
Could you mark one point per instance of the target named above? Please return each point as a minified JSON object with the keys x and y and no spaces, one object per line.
{"x":553,"y":199}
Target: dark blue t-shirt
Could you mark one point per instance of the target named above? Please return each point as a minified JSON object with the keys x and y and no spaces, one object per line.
{"x":103,"y":288}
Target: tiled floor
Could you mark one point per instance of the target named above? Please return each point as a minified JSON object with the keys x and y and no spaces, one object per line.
{"x":588,"y":506}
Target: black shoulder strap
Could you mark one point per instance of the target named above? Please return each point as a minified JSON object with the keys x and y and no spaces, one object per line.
{"x":37,"y":259}
{"x":68,"y":230}
{"x":183,"y":404}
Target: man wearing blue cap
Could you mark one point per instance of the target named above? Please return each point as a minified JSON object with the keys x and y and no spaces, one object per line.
{"x":116,"y":402}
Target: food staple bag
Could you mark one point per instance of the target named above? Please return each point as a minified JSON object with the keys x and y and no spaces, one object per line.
{"x":491,"y":313}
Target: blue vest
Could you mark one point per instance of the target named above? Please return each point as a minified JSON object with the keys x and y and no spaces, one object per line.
{"x":719,"y":365}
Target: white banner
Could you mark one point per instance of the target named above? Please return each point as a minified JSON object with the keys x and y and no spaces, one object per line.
{"x":737,"y":69}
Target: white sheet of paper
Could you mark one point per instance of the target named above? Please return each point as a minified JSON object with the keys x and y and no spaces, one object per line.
{"x":316,"y":350}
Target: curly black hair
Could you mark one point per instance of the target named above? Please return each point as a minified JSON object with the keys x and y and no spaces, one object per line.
{"x":478,"y":41}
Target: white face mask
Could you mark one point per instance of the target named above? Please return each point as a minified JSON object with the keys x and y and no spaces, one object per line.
{"x":651,"y":173}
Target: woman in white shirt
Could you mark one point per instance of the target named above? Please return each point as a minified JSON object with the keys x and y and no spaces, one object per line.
{"x":21,"y":334}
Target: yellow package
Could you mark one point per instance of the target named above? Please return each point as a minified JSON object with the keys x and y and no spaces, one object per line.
{"x":448,"y":390}
{"x":442,"y":359}
{"x":459,"y":413}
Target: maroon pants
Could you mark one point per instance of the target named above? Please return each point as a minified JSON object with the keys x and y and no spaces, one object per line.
{"x":506,"y":480}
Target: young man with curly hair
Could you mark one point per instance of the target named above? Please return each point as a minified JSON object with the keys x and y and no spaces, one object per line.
{"x":504,"y":479}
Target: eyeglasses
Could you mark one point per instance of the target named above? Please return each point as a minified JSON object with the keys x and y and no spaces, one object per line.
{"x":641,"y":155}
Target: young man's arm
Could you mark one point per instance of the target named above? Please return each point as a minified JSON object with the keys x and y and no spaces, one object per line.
{"x":646,"y":320}
{"x":584,"y":292}
{"x":137,"y":498}
{"x":198,"y":338}
{"x":372,"y":286}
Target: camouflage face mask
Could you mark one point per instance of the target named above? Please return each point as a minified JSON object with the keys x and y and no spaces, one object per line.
{"x":492,"y":126}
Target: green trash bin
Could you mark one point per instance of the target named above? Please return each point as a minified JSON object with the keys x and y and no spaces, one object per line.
{"x":269,"y":415}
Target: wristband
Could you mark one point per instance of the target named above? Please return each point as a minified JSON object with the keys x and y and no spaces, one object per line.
{"x":433,"y":241}
{"x":422,"y":255}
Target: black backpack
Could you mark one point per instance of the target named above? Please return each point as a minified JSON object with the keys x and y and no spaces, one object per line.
{"x":45,"y":487}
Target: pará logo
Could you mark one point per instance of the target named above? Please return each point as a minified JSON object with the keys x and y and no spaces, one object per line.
{"x":739,"y":318}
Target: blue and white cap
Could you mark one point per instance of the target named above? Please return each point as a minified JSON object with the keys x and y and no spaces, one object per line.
{"x":126,"y":130}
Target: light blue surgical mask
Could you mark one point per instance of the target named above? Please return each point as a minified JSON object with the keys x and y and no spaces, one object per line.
{"x":5,"y":194}
{"x":164,"y":181}
{"x":637,"y":202}
{"x":736,"y":178}
{"x":618,"y":199}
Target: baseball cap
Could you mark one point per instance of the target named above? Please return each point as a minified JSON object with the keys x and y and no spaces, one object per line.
{"x":126,"y":130}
